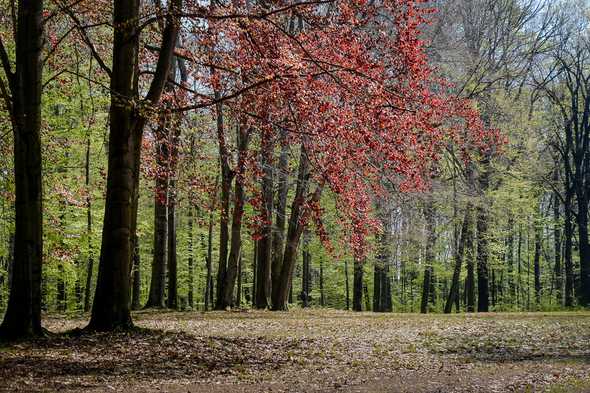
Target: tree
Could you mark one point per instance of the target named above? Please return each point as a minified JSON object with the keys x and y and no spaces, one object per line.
{"x":22,"y":99}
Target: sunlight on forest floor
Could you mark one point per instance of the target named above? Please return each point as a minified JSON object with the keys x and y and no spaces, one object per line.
{"x":307,"y":351}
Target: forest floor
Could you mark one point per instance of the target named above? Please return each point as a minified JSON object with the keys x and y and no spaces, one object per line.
{"x":309,"y":351}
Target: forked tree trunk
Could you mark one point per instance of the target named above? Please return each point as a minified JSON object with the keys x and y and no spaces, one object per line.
{"x":297,"y":223}
{"x":23,"y":313}
{"x":111,"y":307}
{"x":236,"y":229}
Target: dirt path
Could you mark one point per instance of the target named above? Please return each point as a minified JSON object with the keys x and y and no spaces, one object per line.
{"x":313,"y":351}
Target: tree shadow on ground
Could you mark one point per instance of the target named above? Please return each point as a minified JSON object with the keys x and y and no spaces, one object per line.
{"x":69,"y":362}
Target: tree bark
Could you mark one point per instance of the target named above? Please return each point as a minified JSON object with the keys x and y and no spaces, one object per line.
{"x":459,"y":255}
{"x":347,"y":284}
{"x":297,"y":223}
{"x":111,"y":307}
{"x":280,"y":216}
{"x":306,"y":271}
{"x":357,"y":293}
{"x":238,"y":213}
{"x":23,"y":313}
{"x":428,"y":254}
{"x":264,"y":263}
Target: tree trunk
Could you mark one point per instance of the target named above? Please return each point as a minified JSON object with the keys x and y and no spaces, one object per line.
{"x":557,"y":244}
{"x":428,"y":254}
{"x":156,"y":297}
{"x":347,"y":285}
{"x":297,"y":222}
{"x":281,"y":207}
{"x":136,"y":294}
{"x":357,"y":292}
{"x":23,"y":313}
{"x":172,"y":300}
{"x":568,"y":232}
{"x":264,"y":263}
{"x":459,"y":254}
{"x":226,"y":180}
{"x":306,"y":271}
{"x":190,"y":262}
{"x":238,"y":213}
{"x":111,"y":307}
{"x":470,"y":279}
{"x":537,"y":264}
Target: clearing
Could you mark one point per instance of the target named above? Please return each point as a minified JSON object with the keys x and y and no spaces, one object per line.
{"x":309,"y":351}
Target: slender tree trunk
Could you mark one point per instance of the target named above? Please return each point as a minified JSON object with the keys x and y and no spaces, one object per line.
{"x":357,"y":293}
{"x":264,"y":264}
{"x":172,"y":265}
{"x":190,"y":262}
{"x":537,"y":264}
{"x":209,"y":260}
{"x":254,"y":269}
{"x":347,"y":284}
{"x":239,"y":287}
{"x":459,"y":254}
{"x":297,"y":222}
{"x":136,"y":294}
{"x":557,"y":244}
{"x":306,"y":271}
{"x":236,"y":229}
{"x":226,"y":180}
{"x":470,"y":279}
{"x":428,"y":254}
{"x":583,"y":248}
{"x":280,"y":216}
{"x":157,"y":292}
{"x":568,"y":241}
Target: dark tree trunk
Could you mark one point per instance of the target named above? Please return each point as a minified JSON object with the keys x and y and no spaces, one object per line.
{"x":190,"y":262}
{"x":281,"y":207}
{"x":459,"y":254}
{"x":428,"y":254}
{"x":583,"y":248}
{"x":239,"y":286}
{"x":557,"y":244}
{"x":90,"y":262}
{"x":568,"y":232}
{"x":23,"y":313}
{"x":238,"y":213}
{"x":482,"y":261}
{"x":357,"y":292}
{"x":111,"y":307}
{"x":510,"y":259}
{"x":156,"y":297}
{"x":306,"y":271}
{"x":172,"y":300}
{"x":254,"y":259}
{"x":226,"y":180}
{"x":264,"y":263}
{"x":297,"y":222}
{"x":470,"y":279}
{"x":136,"y":294}
{"x":209,"y":258}
{"x":322,"y":293}
{"x":537,"y":264}
{"x":347,"y":284}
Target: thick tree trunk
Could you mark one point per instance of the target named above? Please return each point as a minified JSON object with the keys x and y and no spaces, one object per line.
{"x":90,"y":262}
{"x":264,"y":263}
{"x":459,"y":255}
{"x":470,"y":279}
{"x":23,"y":313}
{"x":111,"y":307}
{"x":236,"y":229}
